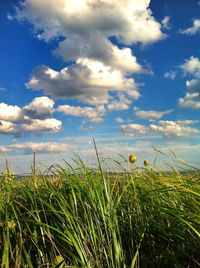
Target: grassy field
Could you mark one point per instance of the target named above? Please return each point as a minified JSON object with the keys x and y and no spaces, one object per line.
{"x":86,"y":217}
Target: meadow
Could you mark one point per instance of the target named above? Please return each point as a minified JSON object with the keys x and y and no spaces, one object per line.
{"x":89,"y":217}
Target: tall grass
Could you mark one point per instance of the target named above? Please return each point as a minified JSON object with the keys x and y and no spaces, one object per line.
{"x":86,"y":217}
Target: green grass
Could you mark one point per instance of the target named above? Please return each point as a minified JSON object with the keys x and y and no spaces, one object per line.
{"x":86,"y":217}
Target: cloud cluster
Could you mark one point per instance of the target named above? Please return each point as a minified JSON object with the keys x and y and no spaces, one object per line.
{"x":151,"y":115}
{"x":166,"y":129}
{"x":192,"y":98}
{"x":32,"y":118}
{"x":84,"y":30}
{"x":87,"y":81}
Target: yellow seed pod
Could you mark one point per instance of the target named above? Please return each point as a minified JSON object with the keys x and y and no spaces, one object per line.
{"x":11,"y":225}
{"x":146,"y":162}
{"x":132,"y":158}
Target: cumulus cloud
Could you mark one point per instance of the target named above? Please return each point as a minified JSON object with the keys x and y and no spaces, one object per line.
{"x":93,"y":114}
{"x":130,"y":21}
{"x":32,"y":118}
{"x":98,"y":48}
{"x":10,"y":113}
{"x":192,"y":66}
{"x":87,"y":81}
{"x":84,"y":30}
{"x":168,"y":129}
{"x":192,"y":30}
{"x":50,"y":125}
{"x":151,"y":114}
{"x":192,"y":98}
{"x":7,"y":127}
{"x":173,"y":129}
{"x":39,"y":108}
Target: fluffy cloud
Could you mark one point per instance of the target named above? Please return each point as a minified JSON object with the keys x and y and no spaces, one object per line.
{"x":32,"y":118}
{"x":130,"y":21}
{"x":151,"y":114}
{"x":192,"y":66}
{"x":39,"y":108}
{"x":50,"y":125}
{"x":98,"y":48}
{"x":167,"y":129}
{"x":87,"y":81}
{"x":7,"y":127}
{"x":92,"y":114}
{"x":192,"y":30}
{"x":10,"y":113}
{"x":192,"y":98}
{"x":173,"y":129}
{"x":86,"y":28}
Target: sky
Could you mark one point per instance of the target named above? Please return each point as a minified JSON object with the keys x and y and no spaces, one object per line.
{"x":126,"y":72}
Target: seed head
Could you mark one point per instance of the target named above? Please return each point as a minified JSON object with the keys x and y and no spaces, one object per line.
{"x":132,"y":158}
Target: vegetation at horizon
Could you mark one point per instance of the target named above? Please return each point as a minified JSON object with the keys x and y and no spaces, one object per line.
{"x":87,"y":217}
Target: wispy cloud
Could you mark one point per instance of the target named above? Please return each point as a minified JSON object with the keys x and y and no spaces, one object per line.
{"x":194,"y":29}
{"x":151,"y":114}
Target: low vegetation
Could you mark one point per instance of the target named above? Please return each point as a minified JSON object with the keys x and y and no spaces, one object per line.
{"x":86,"y":217}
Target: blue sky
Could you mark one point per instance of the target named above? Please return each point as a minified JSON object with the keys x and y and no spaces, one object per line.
{"x":125,"y":72}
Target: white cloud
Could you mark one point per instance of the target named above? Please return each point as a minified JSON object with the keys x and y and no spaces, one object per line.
{"x":165,"y":22}
{"x":171,"y":74}
{"x":87,"y":81}
{"x":192,"y":30}
{"x":119,"y":120}
{"x":50,"y":125}
{"x":192,"y":98}
{"x":130,"y":21}
{"x":39,"y":108}
{"x":98,"y":48}
{"x":92,"y":114}
{"x":119,"y":104}
{"x":187,"y":122}
{"x":192,"y":66}
{"x":85,"y":27}
{"x":10,"y":113}
{"x":42,"y":147}
{"x":32,"y":118}
{"x":134,"y":129}
{"x":168,"y":129}
{"x":7,"y":127}
{"x":173,"y":129}
{"x":151,"y":114}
